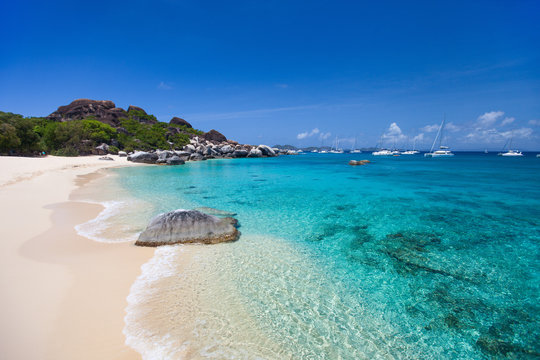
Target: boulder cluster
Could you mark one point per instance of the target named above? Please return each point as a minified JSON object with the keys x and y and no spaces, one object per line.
{"x":200,"y":148}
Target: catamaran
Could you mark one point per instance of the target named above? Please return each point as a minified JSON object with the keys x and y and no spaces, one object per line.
{"x":444,"y":151}
{"x":382,"y":151}
{"x":510,"y":152}
{"x":413,"y":151}
{"x":354,"y":149}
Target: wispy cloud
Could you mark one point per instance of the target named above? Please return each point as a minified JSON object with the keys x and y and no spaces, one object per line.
{"x":282,"y":86}
{"x":489,"y":118}
{"x":164,"y":86}
{"x":534,"y":122}
{"x":324,"y":135}
{"x":307,"y":134}
{"x":247,"y":113}
{"x":507,"y":121}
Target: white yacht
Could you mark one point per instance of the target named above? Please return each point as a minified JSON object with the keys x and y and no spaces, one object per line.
{"x":382,"y":152}
{"x":411,"y":152}
{"x":512,"y":153}
{"x":355,"y":150}
{"x":443,"y":151}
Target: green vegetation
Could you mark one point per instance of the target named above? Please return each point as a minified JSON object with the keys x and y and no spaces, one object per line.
{"x":30,"y":136}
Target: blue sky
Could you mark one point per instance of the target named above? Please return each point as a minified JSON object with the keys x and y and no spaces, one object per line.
{"x":295,"y":72}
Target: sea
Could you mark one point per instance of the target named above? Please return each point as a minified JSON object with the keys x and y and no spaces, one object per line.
{"x":403,"y":258}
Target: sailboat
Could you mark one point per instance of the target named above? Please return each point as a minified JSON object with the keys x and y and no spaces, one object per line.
{"x":336,"y":150}
{"x":511,"y":152}
{"x":355,"y":150}
{"x":413,"y":151}
{"x":382,"y":152}
{"x":444,"y":151}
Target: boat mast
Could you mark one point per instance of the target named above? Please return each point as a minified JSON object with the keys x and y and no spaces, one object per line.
{"x":438,"y":134}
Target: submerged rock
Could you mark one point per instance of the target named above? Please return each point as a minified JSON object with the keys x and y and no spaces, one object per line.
{"x":188,"y":226}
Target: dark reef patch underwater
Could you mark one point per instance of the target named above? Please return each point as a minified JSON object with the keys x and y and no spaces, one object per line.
{"x":406,"y":258}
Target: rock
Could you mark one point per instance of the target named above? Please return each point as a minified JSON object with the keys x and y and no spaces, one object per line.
{"x":164,"y":155}
{"x":102,"y":149}
{"x":106,"y":158}
{"x":143,"y":157}
{"x":189,"y":148}
{"x":255,"y":153}
{"x":175,"y":160}
{"x":196,"y":157}
{"x":188,"y":226}
{"x":179,"y":121}
{"x":214,"y":135}
{"x":239,"y":153}
{"x":359,"y":162}
{"x":102,"y":110}
{"x":266,"y":150}
{"x":122,"y":154}
{"x":226,"y":149}
{"x":136,"y":108}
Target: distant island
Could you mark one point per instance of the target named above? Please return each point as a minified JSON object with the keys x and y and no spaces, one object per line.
{"x":98,"y":127}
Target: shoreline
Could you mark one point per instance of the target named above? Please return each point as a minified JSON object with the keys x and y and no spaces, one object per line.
{"x":63,"y":295}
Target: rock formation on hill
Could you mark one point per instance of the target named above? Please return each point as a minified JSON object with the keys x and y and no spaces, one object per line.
{"x":188,"y":226}
{"x":102,"y":110}
{"x":179,"y":121}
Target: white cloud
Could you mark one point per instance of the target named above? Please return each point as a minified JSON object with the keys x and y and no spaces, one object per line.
{"x":534,"y":122}
{"x":489,"y":118}
{"x":430,"y":128}
{"x":163,"y":86}
{"x":419,"y":137}
{"x":307,"y":134}
{"x":521,"y":133}
{"x":324,"y":136}
{"x":494,"y":136}
{"x":507,"y":120}
{"x":394,"y":133}
{"x":452,"y":127}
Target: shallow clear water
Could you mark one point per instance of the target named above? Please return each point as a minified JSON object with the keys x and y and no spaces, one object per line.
{"x":406,"y":257}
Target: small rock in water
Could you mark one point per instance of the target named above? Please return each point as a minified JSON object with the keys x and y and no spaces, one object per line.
{"x":359,"y":162}
{"x":188,"y":226}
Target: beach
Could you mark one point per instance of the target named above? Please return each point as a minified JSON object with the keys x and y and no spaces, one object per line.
{"x":63,"y":296}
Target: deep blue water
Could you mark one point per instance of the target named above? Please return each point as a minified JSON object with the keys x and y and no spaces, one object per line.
{"x":432,"y":258}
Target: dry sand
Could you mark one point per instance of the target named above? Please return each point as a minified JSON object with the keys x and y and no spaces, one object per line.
{"x":63,"y":296}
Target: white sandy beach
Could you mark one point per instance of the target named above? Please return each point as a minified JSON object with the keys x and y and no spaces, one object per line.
{"x":63,"y":296}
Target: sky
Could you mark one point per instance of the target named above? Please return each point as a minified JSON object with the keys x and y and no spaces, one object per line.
{"x":288,"y":72}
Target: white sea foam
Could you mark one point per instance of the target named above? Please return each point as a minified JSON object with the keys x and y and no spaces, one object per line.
{"x":103,"y":228}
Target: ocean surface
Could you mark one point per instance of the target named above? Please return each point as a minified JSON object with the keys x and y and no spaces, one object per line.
{"x":404,"y":258}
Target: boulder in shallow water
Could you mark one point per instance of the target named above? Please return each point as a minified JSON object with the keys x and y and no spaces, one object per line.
{"x":188,"y":226}
{"x":175,"y":160}
{"x":359,"y":162}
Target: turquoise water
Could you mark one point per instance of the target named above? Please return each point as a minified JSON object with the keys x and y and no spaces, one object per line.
{"x":406,"y":257}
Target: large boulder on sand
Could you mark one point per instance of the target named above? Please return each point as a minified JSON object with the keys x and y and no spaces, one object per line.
{"x":143,"y":157}
{"x":188,"y":226}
